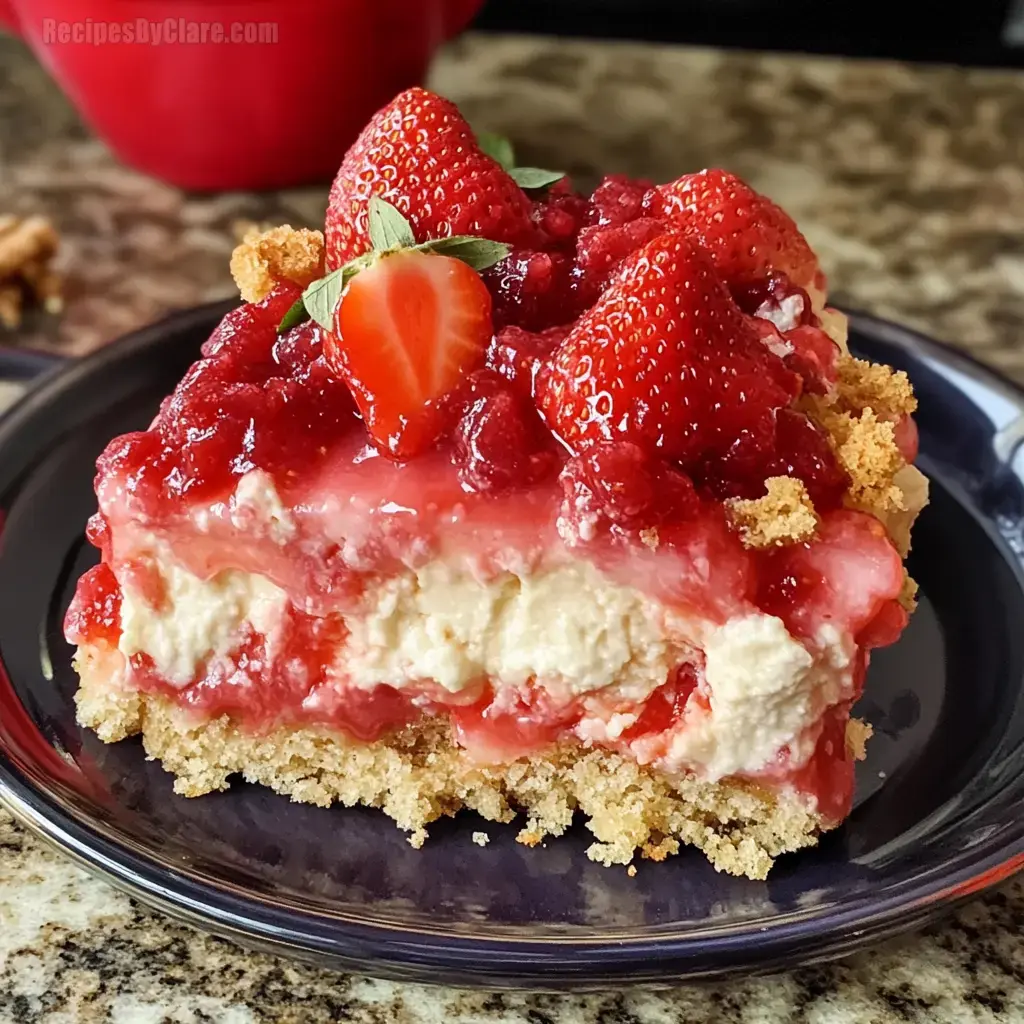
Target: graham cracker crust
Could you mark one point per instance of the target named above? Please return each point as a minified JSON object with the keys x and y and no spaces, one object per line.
{"x":418,"y":775}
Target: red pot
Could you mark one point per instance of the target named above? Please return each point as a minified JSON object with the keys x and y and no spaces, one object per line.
{"x":224,"y":94}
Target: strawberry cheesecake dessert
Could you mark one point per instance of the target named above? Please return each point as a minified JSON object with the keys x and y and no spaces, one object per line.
{"x":499,"y":496}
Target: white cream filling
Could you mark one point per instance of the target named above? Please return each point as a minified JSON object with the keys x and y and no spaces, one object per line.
{"x":254,"y":508}
{"x":765,"y":688}
{"x":785,"y":314}
{"x":568,"y":628}
{"x":257,"y":505}
{"x":197,"y":618}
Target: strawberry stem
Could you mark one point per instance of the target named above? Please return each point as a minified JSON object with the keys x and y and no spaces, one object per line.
{"x":498,"y":148}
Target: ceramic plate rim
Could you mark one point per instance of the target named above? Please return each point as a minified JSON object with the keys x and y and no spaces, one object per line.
{"x":227,"y":912}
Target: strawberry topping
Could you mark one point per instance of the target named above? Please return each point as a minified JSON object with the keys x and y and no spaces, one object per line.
{"x":518,"y":354}
{"x":847,"y":577}
{"x":95,"y":612}
{"x":408,"y":330}
{"x":618,"y":200}
{"x":785,"y":444}
{"x":420,"y":155}
{"x":746,"y":234}
{"x":500,"y":441}
{"x":665,"y":359}
{"x":619,"y":484}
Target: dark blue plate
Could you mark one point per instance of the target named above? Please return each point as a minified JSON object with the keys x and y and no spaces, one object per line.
{"x":940,"y":810}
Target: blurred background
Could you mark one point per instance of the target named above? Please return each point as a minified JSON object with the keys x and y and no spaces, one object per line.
{"x":992,"y":34}
{"x":892,"y":132}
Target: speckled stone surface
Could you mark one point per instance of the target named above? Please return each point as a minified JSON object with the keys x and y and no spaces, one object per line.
{"x":909,"y":182}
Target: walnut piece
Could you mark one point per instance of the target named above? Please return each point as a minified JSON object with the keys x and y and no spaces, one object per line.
{"x":281,"y":254}
{"x":27,"y":246}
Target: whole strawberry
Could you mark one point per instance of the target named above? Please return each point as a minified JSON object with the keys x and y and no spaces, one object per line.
{"x":664,"y":359}
{"x":746,"y":234}
{"x":420,"y":155}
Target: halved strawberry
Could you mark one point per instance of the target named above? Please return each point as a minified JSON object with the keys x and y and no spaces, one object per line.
{"x":420,"y":155}
{"x":747,"y":235}
{"x":408,"y":329}
{"x":664,"y":359}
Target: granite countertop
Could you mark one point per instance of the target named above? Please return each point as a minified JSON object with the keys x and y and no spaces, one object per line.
{"x":908,"y":181}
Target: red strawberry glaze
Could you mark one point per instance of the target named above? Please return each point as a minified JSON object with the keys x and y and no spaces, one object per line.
{"x":290,"y":687}
{"x":617,"y":200}
{"x":828,"y":775}
{"x":848,"y":577}
{"x":500,"y":443}
{"x":518,"y":354}
{"x":535,"y":288}
{"x":495,"y":731}
{"x":253,"y":401}
{"x":784,"y":444}
{"x":94,"y":615}
{"x":665,"y":707}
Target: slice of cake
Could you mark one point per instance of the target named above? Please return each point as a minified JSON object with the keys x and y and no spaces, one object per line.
{"x":528,"y":502}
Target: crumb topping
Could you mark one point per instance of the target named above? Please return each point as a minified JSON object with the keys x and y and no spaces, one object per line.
{"x":784,"y":515}
{"x":481,"y":838}
{"x":860,"y":418}
{"x":279,"y":254}
{"x":864,"y":385}
{"x":908,"y":594}
{"x":649,"y":538}
{"x":866,"y":448}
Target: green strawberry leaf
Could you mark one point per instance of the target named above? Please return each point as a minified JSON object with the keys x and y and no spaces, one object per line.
{"x":321,"y":297}
{"x":297,"y":314}
{"x":389,"y":232}
{"x":478,"y":253}
{"x":497,"y":147}
{"x":388,"y":228}
{"x":534,"y":177}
